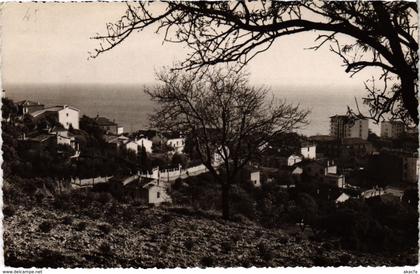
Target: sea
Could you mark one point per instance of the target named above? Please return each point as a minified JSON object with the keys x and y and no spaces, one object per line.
{"x":130,"y":106}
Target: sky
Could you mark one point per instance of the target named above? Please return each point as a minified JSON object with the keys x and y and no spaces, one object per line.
{"x":49,"y":43}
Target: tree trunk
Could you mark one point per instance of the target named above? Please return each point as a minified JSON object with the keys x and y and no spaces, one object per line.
{"x":226,"y":200}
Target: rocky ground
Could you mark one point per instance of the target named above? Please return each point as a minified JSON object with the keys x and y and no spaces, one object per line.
{"x":164,"y":238}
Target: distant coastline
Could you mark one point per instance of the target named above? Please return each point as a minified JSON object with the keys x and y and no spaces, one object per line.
{"x":130,"y":106}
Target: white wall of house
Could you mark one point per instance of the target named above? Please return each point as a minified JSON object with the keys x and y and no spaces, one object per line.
{"x":333,"y":179}
{"x":69,"y":116}
{"x":331,"y":169}
{"x":133,"y":146}
{"x":120,"y":130}
{"x":63,"y":140}
{"x":293,"y":159}
{"x":157,"y":195}
{"x":308,"y":152}
{"x":297,"y":171}
{"x":146,"y":143}
{"x":256,"y":178}
{"x":177,"y":143}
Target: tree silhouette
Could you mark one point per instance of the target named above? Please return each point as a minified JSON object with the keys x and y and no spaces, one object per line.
{"x":384,"y":36}
{"x":223,"y":116}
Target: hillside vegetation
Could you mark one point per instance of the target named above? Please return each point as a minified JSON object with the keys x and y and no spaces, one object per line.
{"x":88,"y":229}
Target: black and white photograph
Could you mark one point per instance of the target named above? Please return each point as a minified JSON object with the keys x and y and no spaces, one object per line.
{"x":210,"y":134}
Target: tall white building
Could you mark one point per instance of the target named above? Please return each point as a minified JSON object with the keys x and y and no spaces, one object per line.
{"x":342,"y":127}
{"x":392,"y":129}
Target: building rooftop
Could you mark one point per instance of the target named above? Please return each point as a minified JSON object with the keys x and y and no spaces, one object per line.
{"x":40,"y":138}
{"x":52,"y":109}
{"x":28,"y":103}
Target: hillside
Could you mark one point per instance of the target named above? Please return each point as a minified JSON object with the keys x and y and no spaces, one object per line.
{"x":111,"y":235}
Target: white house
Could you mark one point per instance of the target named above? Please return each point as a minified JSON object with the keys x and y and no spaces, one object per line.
{"x":132,"y":145}
{"x":219,"y":155}
{"x":338,"y":180}
{"x":177,"y":143}
{"x":308,"y":152}
{"x":293,"y":159}
{"x":146,"y":143}
{"x":64,"y":137}
{"x":136,"y":144}
{"x":66,"y":115}
{"x":255,"y":178}
{"x":157,"y":193}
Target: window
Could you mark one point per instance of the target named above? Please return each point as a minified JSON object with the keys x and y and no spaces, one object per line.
{"x":158,"y":195}
{"x":67,"y":114}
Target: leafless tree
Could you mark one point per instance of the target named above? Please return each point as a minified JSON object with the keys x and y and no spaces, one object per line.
{"x":223,"y":115}
{"x":385,"y":37}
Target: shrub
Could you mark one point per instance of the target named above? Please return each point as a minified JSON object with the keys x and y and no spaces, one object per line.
{"x":283,"y":239}
{"x":239,"y":218}
{"x":81,"y":226}
{"x":236,"y":237}
{"x":264,"y":251}
{"x":189,"y":244}
{"x":258,"y":233}
{"x":105,"y":248}
{"x":68,"y":220}
{"x":62,"y":201}
{"x":167,"y":218}
{"x":207,"y":261}
{"x":45,"y":226}
{"x":9,"y":211}
{"x":226,"y":246}
{"x":39,"y":197}
{"x":345,"y":259}
{"x":146,"y":224}
{"x":105,"y":228}
{"x":49,"y":258}
{"x":104,"y":197}
{"x":193,"y":227}
{"x":322,"y":261}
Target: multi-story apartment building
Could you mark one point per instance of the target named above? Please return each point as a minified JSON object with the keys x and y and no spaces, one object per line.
{"x":342,"y":127}
{"x":392,"y":129}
